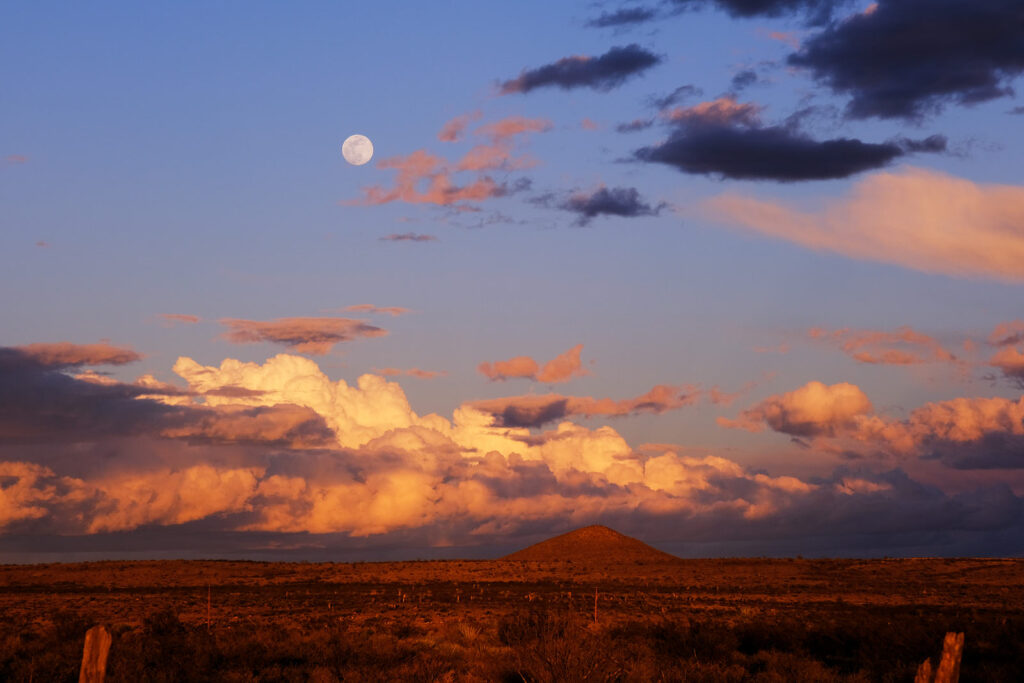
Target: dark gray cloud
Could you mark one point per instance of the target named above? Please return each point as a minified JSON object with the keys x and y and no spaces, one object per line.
{"x":815,"y":11}
{"x":744,"y":79}
{"x":727,"y":139}
{"x":600,"y":73}
{"x":908,"y":58}
{"x":408,"y":237}
{"x":681,"y":93}
{"x":623,"y":17}
{"x":772,"y":153}
{"x":634,"y":125}
{"x":615,"y":201}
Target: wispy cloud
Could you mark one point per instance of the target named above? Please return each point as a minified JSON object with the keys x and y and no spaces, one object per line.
{"x":562,"y":368}
{"x":915,"y":218}
{"x":408,"y":237}
{"x":311,"y":335}
{"x":604,"y":72}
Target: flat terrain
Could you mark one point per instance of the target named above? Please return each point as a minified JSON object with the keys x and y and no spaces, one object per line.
{"x":485,"y":620}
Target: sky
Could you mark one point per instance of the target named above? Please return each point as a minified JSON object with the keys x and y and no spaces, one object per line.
{"x":735,"y":277}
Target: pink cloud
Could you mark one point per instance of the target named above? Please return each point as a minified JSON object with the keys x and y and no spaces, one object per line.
{"x":182,"y":318}
{"x":722,"y":111}
{"x":411,"y":372}
{"x":914,"y":218}
{"x":902,"y":346}
{"x":562,"y":368}
{"x":590,"y":124}
{"x":814,"y":409}
{"x":453,"y":130}
{"x":62,"y":354}
{"x":16,"y":159}
{"x":315,"y":336}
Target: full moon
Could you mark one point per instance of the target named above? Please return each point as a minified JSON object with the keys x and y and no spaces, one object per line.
{"x":357,"y":149}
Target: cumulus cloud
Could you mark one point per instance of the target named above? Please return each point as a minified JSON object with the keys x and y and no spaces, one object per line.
{"x":374,"y":468}
{"x":66,"y":354}
{"x":915,"y":218}
{"x":726,"y":138}
{"x":562,"y":368}
{"x":604,"y":72}
{"x":316,"y":336}
{"x":814,"y":409}
{"x":408,"y":237}
{"x":908,"y":58}
{"x":1009,"y":358}
{"x":902,"y":346}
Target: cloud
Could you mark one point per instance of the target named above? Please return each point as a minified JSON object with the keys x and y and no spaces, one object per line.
{"x":411,"y":372}
{"x":625,"y":16}
{"x":909,"y":58}
{"x":66,"y":354}
{"x":532,"y":411}
{"x":244,"y":470}
{"x":616,"y":201}
{"x":1007,"y":333}
{"x":814,"y":409}
{"x":408,"y":237}
{"x":562,"y":368}
{"x":589,"y":124}
{"x":903,"y":346}
{"x":634,"y":125}
{"x":453,"y":130}
{"x":316,"y":336}
{"x":743,"y":80}
{"x":816,"y":11}
{"x":683,"y":92}
{"x":370,"y":308}
{"x":1009,"y":358}
{"x":603,"y":73}
{"x":425,"y":178}
{"x":16,"y":159}
{"x":171,"y":319}
{"x":725,"y":138}
{"x":914,"y":218}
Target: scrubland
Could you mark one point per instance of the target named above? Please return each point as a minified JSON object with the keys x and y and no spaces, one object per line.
{"x":690,"y":620}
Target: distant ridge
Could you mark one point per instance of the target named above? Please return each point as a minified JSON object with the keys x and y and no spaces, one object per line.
{"x":597,"y":545}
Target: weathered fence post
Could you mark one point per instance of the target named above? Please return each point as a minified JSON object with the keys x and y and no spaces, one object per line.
{"x":94,"y":655}
{"x":948,"y":670}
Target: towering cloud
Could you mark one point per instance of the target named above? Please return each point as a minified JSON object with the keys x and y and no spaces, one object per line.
{"x":604,"y":72}
{"x":915,"y":218}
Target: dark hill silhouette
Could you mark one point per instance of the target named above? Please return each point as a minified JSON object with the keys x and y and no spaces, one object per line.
{"x":592,"y":545}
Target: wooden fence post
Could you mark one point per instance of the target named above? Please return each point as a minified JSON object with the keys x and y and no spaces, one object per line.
{"x":94,"y":655}
{"x":948,"y":670}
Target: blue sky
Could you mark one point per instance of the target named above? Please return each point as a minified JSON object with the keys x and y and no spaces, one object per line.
{"x":185,"y":159}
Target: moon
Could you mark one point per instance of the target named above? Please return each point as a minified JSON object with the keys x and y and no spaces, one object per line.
{"x":357,"y":149}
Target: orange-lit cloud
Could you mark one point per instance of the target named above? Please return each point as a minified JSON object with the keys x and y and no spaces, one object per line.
{"x":916,"y":218}
{"x":278,"y":447}
{"x":370,"y":308}
{"x":1007,"y":333}
{"x":175,"y":318}
{"x":902,"y":346}
{"x":66,"y":354}
{"x":424,"y":178}
{"x":316,"y":336}
{"x":453,"y":130}
{"x":411,"y":372}
{"x":562,"y":368}
{"x":814,"y":409}
{"x":722,"y":111}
